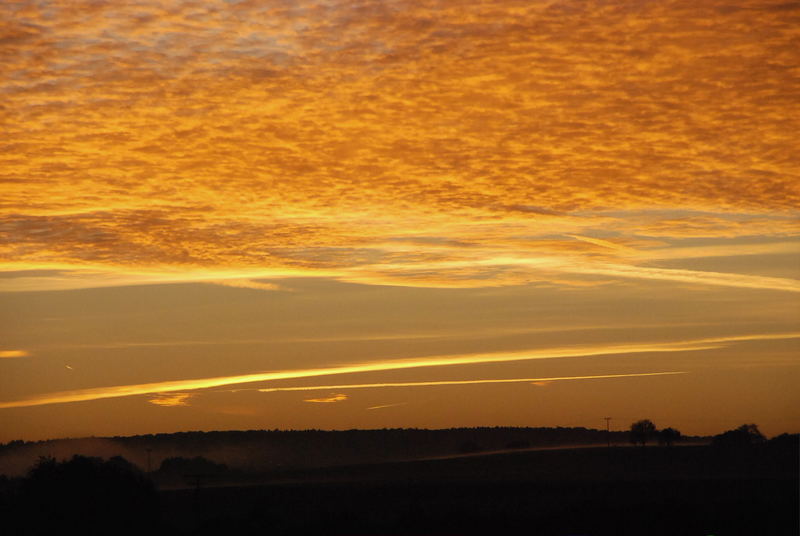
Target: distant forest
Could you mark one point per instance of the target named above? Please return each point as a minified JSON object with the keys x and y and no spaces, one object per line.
{"x":269,"y":450}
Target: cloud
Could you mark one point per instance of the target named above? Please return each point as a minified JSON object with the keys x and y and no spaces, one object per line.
{"x":259,"y":139}
{"x":328,"y":400}
{"x":171,"y":399}
{"x":533,"y":381}
{"x":99,"y":393}
{"x":12,"y":354}
{"x":714,"y":225}
{"x":383,"y":406}
{"x":691,"y":276}
{"x":722,"y":250}
{"x":518,"y":269}
{"x":602,"y":243}
{"x":247,"y":283}
{"x":430,"y":333}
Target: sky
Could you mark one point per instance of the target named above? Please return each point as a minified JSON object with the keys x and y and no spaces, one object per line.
{"x":346,"y":214}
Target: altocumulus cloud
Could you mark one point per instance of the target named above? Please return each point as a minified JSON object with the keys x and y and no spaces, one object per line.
{"x":278,"y":155}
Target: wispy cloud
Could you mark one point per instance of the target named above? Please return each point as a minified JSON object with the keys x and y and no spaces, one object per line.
{"x":97,"y":393}
{"x":247,"y":283}
{"x":602,"y":243}
{"x":535,"y":381}
{"x":477,"y":267}
{"x":518,"y":268}
{"x":328,"y":400}
{"x":726,"y":250}
{"x":171,"y":399}
{"x":384,"y":406}
{"x":12,"y":354}
{"x":541,"y":383}
{"x":690,"y":276}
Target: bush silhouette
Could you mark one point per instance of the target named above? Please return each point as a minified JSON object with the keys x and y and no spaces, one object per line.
{"x":88,"y":495}
{"x":668,"y":436}
{"x":744,"y":436}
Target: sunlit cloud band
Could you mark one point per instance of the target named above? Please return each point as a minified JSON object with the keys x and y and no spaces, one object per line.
{"x":97,"y":393}
{"x":462,"y":382}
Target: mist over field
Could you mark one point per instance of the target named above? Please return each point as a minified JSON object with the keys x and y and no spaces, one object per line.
{"x":264,"y":450}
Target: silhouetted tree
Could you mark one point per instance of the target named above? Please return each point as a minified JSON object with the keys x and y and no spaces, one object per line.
{"x":641,"y":431}
{"x":87,"y":496}
{"x":744,"y":436}
{"x":668,"y":436}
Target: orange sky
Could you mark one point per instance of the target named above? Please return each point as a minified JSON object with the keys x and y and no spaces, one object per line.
{"x":207,"y":204}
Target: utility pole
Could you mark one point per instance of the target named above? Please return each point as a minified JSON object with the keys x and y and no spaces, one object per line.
{"x":608,"y":430}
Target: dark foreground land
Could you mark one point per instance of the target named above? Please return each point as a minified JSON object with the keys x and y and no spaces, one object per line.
{"x":591,"y":491}
{"x":691,"y":490}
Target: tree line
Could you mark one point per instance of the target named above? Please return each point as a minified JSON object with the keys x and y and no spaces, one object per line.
{"x":644,"y":430}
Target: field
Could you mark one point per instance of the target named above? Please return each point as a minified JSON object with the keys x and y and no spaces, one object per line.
{"x":588,"y":491}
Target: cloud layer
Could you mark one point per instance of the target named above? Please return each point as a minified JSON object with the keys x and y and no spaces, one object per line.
{"x":185,"y":140}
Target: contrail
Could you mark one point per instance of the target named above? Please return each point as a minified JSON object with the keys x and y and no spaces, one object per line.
{"x":387,"y":406}
{"x":97,"y":393}
{"x":461,"y":382}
